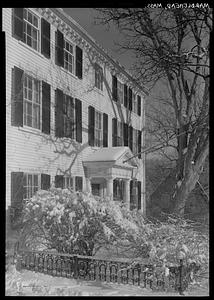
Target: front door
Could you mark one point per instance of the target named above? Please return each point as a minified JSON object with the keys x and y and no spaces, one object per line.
{"x":95,"y":187}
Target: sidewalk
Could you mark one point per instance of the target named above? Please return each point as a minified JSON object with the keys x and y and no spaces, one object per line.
{"x":28,"y":283}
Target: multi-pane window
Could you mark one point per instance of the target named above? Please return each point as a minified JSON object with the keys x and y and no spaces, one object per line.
{"x":68,"y":182}
{"x":68,"y":116}
{"x":69,"y":56}
{"x":135,"y":141}
{"x":134,"y":103}
{"x":31,"y":185}
{"x":31,"y":29}
{"x":119,"y":133}
{"x":98,"y":129}
{"x":120,"y":91}
{"x":32,"y":104}
{"x":98,"y":77}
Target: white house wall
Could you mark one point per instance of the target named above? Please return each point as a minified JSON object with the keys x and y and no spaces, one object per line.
{"x":29,"y":150}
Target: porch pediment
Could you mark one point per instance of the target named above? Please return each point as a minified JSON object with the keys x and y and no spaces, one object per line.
{"x":107,"y":161}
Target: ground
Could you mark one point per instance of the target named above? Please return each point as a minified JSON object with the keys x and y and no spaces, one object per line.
{"x":28,"y":283}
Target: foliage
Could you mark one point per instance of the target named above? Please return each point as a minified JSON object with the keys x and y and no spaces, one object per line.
{"x":171,"y":47}
{"x":76,"y":222}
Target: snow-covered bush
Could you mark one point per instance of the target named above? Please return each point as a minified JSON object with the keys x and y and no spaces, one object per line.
{"x":76,"y":222}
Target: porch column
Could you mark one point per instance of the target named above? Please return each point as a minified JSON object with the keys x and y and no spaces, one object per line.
{"x":88,"y":184}
{"x":127,"y":192}
{"x":109,"y":187}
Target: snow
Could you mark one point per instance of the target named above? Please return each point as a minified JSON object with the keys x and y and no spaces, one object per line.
{"x":107,"y":154}
{"x":28,"y":283}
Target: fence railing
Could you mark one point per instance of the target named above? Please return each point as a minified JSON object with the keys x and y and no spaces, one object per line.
{"x":120,"y":271}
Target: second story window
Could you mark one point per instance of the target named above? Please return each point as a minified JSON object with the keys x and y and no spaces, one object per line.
{"x":120,"y":89}
{"x":69,"y":57}
{"x":31,"y":29}
{"x":119,"y":133}
{"x":135,"y":141}
{"x":98,"y":129}
{"x":98,"y":77}
{"x":31,"y":102}
{"x":134,"y":101}
{"x":68,"y":116}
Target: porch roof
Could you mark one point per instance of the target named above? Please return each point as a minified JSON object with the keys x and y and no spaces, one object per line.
{"x":115,"y":155}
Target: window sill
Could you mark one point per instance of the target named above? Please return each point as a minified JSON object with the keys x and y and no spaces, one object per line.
{"x":99,"y":91}
{"x":30,"y":130}
{"x":31,"y":49}
{"x":69,"y":73}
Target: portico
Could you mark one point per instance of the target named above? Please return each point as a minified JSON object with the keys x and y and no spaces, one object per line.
{"x":107,"y":173}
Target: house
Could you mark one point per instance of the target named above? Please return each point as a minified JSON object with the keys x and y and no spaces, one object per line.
{"x":74,"y":115}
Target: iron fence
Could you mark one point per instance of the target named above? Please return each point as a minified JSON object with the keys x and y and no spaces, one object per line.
{"x":91,"y":268}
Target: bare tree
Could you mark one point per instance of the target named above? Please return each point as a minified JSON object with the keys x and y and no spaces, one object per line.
{"x":173,"y":45}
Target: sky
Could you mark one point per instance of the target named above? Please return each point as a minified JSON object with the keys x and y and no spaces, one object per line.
{"x":106,"y":38}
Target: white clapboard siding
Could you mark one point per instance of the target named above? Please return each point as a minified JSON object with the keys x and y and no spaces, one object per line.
{"x":29,"y":150}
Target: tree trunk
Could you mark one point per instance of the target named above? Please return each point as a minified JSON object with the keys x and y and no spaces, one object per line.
{"x":183,"y":193}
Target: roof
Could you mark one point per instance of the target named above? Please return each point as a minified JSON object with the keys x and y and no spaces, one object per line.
{"x":107,"y":154}
{"x":69,"y":20}
{"x":116,"y":156}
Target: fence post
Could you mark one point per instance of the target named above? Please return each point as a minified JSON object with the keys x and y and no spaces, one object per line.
{"x":75,"y":267}
{"x":181,"y":273}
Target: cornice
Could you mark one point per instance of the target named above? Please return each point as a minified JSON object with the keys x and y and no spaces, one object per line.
{"x":79,"y":36}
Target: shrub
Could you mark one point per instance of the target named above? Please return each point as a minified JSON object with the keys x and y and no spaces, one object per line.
{"x":81,"y":223}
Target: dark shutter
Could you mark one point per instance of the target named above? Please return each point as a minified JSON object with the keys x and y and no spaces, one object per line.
{"x":17,"y":189}
{"x":114,"y":88}
{"x":78,"y":110}
{"x":59,"y":181}
{"x":131,"y":195}
{"x":45,"y":181}
{"x":17,"y":22}
{"x":45,"y":38}
{"x":59,"y":128}
{"x":130,"y":137}
{"x":139,"y":195}
{"x":59,"y":48}
{"x":139,"y":143}
{"x":126,"y":134}
{"x":17,"y":97}
{"x":78,"y":62}
{"x":125,"y":95}
{"x":130,"y":99}
{"x":105,"y":130}
{"x":78,"y":183}
{"x":46,"y":102}
{"x":91,"y":123}
{"x":114,"y":132}
{"x":139,"y":105}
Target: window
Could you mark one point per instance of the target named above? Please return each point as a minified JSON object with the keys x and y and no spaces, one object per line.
{"x":118,"y":189}
{"x":68,"y":116}
{"x":135,"y":141}
{"x":98,"y":77}
{"x":31,"y":29}
{"x":119,"y":133}
{"x":31,"y":102}
{"x":69,"y":57}
{"x":120,"y":90}
{"x":68,"y":182}
{"x":31,"y":185}
{"x":98,"y":129}
{"x":134,"y":100}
